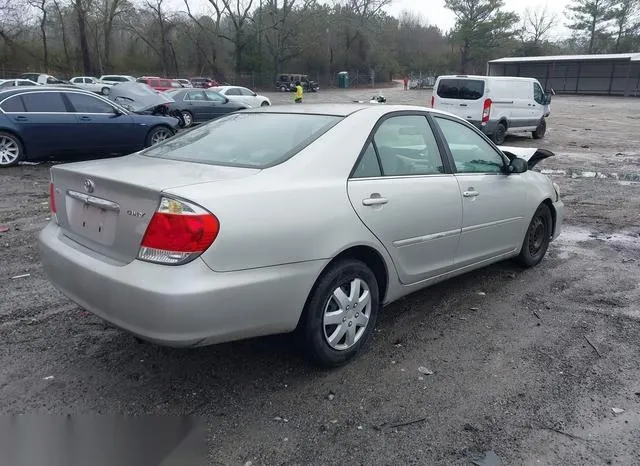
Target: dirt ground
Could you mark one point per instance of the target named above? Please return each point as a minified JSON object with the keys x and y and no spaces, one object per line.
{"x":527,"y":365}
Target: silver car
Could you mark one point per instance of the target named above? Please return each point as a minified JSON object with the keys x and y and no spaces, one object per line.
{"x":306,"y":218}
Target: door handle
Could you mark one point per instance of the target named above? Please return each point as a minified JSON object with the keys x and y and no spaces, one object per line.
{"x":22,"y":118}
{"x":85,"y":118}
{"x":471,"y":193}
{"x":374,"y":200}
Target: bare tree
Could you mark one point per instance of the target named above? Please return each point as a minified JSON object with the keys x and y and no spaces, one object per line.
{"x":82,"y":8}
{"x":537,"y":24}
{"x":110,"y":11}
{"x":42,"y":7}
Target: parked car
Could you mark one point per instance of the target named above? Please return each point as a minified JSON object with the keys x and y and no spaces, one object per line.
{"x":43,"y":122}
{"x":160,"y":84}
{"x":7,"y":83}
{"x":184,"y":82}
{"x":92,"y":84}
{"x":116,"y":78}
{"x":496,"y":104}
{"x":287,"y":83}
{"x":200,"y":105}
{"x":291,"y":217}
{"x":204,"y":83}
{"x":144,"y":100}
{"x":242,"y":95}
{"x":42,"y":78}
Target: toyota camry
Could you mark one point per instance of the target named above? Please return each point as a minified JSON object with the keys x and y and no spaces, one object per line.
{"x":292,"y":218}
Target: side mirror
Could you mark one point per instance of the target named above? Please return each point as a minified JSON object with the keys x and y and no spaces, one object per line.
{"x":518,"y":165}
{"x":117,"y":112}
{"x":255,"y":95}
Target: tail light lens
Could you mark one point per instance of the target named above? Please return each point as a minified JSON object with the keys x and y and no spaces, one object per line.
{"x":433,"y":101}
{"x":178,"y":233}
{"x":52,"y":198}
{"x":486,"y":111}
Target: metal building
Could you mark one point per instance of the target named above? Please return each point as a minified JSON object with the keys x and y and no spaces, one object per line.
{"x":612,"y":74}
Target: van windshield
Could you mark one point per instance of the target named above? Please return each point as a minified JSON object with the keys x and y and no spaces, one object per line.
{"x":462,"y":89}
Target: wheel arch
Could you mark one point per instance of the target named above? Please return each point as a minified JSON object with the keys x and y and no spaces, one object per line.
{"x":554,"y":215}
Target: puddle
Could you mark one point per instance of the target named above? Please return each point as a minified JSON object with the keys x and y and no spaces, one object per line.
{"x":570,"y":239}
{"x":624,"y":179}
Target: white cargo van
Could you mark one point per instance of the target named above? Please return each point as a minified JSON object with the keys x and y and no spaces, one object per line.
{"x":496,"y":104}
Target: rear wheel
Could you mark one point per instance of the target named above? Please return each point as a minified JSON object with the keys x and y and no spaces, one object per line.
{"x":500,"y":134}
{"x":11,"y":150}
{"x":537,"y":239}
{"x":340,"y":314}
{"x":157,"y":135}
{"x":540,"y":130}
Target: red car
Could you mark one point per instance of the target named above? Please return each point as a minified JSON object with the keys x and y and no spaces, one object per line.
{"x":204,"y":83}
{"x":159,"y":84}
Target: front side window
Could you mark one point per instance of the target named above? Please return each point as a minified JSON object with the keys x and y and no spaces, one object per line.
{"x":88,"y":104}
{"x":44,"y":102}
{"x":13,"y":105}
{"x":246,"y":92}
{"x":275,"y":137}
{"x":538,"y":95}
{"x":195,"y":96}
{"x":406,"y":146}
{"x":471,"y":153}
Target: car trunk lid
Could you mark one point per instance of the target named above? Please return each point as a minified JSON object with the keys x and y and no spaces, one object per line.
{"x":106,"y":205}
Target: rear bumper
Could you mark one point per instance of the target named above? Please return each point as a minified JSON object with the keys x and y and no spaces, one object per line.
{"x":188,"y":305}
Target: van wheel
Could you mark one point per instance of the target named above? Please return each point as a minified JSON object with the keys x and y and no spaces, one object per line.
{"x":500,"y":134}
{"x":540,"y":130}
{"x":340,"y":313}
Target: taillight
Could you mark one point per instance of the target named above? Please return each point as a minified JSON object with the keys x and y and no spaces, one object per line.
{"x":52,"y":198}
{"x":178,"y":233}
{"x":486,"y":111}
{"x":433,"y":101}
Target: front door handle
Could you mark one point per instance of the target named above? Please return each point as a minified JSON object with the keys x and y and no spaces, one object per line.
{"x":374,"y":200}
{"x":471,"y":193}
{"x":85,"y":118}
{"x":22,"y":118}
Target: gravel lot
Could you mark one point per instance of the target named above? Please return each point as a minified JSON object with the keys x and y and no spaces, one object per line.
{"x":526,"y":364}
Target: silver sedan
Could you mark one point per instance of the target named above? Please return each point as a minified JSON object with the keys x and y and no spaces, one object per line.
{"x":305,"y":218}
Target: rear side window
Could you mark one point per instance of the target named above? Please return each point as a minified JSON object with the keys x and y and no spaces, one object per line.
{"x":13,"y":104}
{"x":88,"y":104}
{"x":238,"y":140}
{"x":44,"y":102}
{"x":462,"y":89}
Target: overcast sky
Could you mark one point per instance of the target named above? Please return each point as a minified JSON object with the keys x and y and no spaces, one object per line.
{"x":435,"y":12}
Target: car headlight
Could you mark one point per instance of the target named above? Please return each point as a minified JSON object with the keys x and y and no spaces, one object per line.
{"x":557,"y":190}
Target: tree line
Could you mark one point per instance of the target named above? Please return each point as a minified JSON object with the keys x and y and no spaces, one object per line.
{"x":229,"y":39}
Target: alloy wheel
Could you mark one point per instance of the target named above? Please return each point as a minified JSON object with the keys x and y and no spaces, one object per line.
{"x":9,"y":151}
{"x":188,"y":120}
{"x":346,"y":314}
{"x":160,"y":135}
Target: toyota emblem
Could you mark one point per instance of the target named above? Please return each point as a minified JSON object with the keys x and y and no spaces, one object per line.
{"x":89,"y":185}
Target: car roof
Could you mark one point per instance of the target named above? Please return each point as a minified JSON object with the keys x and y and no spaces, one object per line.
{"x":22,"y":90}
{"x":344,"y":109}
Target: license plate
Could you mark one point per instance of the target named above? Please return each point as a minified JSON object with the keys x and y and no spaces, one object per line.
{"x":96,"y":224}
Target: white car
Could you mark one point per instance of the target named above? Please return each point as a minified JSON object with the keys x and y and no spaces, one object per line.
{"x":92,"y":84}
{"x":242,"y":95}
{"x":117,"y":78}
{"x":6,"y":83}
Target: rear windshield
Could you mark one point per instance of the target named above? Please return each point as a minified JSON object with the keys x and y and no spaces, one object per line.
{"x":252,"y":140}
{"x":463,"y":89}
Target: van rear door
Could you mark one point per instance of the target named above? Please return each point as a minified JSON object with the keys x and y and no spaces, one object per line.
{"x":461,"y":96}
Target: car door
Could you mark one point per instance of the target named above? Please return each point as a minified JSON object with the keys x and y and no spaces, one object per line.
{"x":404,"y":192}
{"x":46,"y":123}
{"x":218,"y":104}
{"x":196,"y":103}
{"x":100,"y":129}
{"x":492,"y":201}
{"x":249,"y":97}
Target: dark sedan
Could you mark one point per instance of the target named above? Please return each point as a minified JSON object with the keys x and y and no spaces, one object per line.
{"x":200,"y":105}
{"x":38,"y":123}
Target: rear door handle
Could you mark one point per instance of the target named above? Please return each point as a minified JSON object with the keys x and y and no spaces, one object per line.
{"x":85,"y":118}
{"x":374,"y":200}
{"x":22,"y":118}
{"x":471,"y":193}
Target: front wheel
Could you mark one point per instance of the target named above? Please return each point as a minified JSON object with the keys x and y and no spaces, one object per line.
{"x":500,"y":134}
{"x":540,"y":130}
{"x":187,"y":117}
{"x":157,"y":135}
{"x":341,"y":313}
{"x":11,"y":150}
{"x":537,"y":239}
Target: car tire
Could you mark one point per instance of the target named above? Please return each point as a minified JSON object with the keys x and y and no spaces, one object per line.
{"x":540,"y":130}
{"x":500,"y":134}
{"x":537,"y":238}
{"x":188,"y":118}
{"x":157,"y":135}
{"x":346,"y":293}
{"x":264,"y":104}
{"x":11,"y":150}
{"x":283,"y":89}
{"x":105,"y":91}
